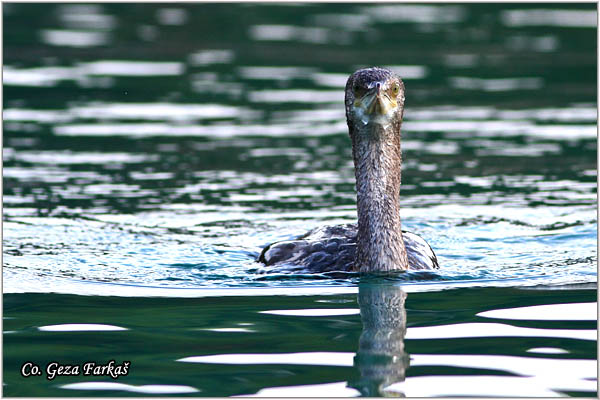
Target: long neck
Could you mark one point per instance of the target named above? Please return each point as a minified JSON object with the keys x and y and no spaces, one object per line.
{"x":377,"y":163}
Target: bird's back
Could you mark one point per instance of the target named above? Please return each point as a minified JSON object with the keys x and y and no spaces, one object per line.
{"x":333,"y":248}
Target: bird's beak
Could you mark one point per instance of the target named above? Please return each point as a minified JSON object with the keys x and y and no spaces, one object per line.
{"x":376,"y":100}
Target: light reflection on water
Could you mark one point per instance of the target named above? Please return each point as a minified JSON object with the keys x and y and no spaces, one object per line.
{"x":80,"y":328}
{"x":563,"y":312}
{"x":382,"y":360}
{"x":549,"y":17}
{"x":195,"y":237}
{"x":85,"y":72}
{"x":145,"y":389}
{"x":552,"y":373}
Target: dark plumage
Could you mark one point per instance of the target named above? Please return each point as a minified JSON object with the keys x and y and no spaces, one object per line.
{"x":374,"y":108}
{"x":333,"y":248}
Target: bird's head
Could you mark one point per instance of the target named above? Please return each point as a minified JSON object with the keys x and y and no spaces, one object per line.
{"x":374,"y":97}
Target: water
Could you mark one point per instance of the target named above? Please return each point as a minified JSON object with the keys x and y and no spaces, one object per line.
{"x":151,"y":151}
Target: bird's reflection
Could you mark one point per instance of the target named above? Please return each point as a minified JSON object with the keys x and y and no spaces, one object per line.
{"x":380,"y":358}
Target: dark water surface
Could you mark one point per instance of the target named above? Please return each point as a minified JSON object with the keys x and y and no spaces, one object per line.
{"x":151,"y":151}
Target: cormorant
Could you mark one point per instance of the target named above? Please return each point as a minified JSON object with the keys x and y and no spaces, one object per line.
{"x":374,"y":109}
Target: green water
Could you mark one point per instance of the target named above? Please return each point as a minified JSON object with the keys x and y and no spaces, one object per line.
{"x":151,"y":151}
{"x":162,"y":331}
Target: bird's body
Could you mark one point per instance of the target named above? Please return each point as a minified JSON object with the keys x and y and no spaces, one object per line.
{"x":374,"y":109}
{"x":333,"y":248}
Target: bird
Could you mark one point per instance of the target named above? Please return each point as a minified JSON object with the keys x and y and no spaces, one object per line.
{"x":374,"y":102}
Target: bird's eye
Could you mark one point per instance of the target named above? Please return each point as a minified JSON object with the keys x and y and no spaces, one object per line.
{"x":359,"y":91}
{"x":395,"y":89}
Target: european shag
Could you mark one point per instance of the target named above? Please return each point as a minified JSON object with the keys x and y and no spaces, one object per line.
{"x":374,"y":108}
